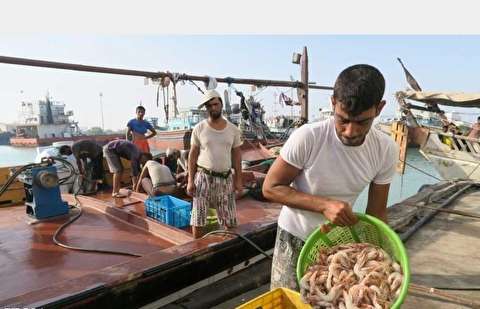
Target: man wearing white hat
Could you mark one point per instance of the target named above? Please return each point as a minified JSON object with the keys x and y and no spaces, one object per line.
{"x":214,"y":150}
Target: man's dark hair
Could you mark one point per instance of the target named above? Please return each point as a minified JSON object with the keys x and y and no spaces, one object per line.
{"x":358,"y":88}
{"x":478,"y":118}
{"x":147,"y":156}
{"x":65,"y":150}
{"x":140,"y":108}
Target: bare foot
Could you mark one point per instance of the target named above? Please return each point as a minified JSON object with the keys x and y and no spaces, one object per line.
{"x":125,"y":192}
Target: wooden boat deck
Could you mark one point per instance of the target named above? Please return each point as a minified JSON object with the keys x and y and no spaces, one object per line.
{"x":41,"y":273}
{"x":444,"y":255}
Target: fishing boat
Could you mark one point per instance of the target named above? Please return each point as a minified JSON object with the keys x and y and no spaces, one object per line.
{"x":454,"y":156}
{"x":157,"y":259}
{"x":44,"y":122}
{"x":429,"y":116}
{"x":114,"y":254}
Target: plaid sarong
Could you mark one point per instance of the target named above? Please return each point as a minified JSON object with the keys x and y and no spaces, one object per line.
{"x":284,"y":263}
{"x":213,"y":192}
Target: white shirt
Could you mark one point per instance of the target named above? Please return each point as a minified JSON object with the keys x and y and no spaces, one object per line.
{"x":333,"y":170}
{"x":47,"y":153}
{"x":215,"y":145}
{"x":159,"y":173}
{"x":54,"y":152}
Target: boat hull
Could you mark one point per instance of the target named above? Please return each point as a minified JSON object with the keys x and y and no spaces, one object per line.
{"x":179,"y":139}
{"x":42,"y":274}
{"x":461,"y":160}
{"x":35,"y":142}
{"x":252,"y":150}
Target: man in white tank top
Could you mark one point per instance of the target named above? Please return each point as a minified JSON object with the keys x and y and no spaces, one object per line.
{"x":324,"y":166}
{"x":214,"y":151}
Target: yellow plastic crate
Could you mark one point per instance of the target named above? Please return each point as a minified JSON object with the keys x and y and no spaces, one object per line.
{"x":280,"y":298}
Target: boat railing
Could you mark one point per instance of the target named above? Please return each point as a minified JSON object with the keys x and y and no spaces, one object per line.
{"x":460,"y":143}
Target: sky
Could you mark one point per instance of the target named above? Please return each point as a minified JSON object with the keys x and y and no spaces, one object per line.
{"x":438,"y":62}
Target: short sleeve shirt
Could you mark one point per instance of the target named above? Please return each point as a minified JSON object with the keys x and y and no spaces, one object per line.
{"x":215,"y":145}
{"x":139,"y":126}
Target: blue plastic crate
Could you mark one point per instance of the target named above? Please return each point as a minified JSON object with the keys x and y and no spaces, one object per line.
{"x":168,"y":209}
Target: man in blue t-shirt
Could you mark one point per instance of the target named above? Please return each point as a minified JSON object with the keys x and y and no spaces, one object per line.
{"x":138,"y":127}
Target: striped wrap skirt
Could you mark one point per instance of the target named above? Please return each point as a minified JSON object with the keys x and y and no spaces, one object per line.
{"x":213,"y":192}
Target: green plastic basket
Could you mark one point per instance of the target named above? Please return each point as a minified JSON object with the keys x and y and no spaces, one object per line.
{"x":368,"y":229}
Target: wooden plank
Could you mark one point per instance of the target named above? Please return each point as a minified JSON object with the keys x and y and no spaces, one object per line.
{"x":475,"y":147}
{"x":469,"y":146}
{"x":461,"y":143}
{"x":5,"y":175}
{"x":302,"y":92}
{"x":12,"y":196}
{"x":15,"y":193}
{"x":399,"y":133}
{"x":455,"y":145}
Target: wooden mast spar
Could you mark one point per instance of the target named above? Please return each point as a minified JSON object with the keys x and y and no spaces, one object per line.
{"x":302,"y":86}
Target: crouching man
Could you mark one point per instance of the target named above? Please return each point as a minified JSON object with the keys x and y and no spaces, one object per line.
{"x":117,"y":149}
{"x":156,"y":179}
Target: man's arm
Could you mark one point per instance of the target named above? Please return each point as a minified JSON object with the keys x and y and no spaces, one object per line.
{"x":377,"y":200}
{"x":143,"y":174}
{"x":276,"y":187}
{"x":153,"y":132}
{"x":127,"y":134}
{"x":80,"y":166}
{"x":237,"y":167}
{"x":192,"y":168}
{"x":192,"y":161}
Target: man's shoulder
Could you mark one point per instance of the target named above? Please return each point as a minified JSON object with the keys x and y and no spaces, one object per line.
{"x":314,"y":129}
{"x":318,"y":125}
{"x":152,"y":163}
{"x":384,"y":140}
{"x":232,"y":127}
{"x":383,"y":143}
{"x":200,"y":125}
{"x":146,"y":123}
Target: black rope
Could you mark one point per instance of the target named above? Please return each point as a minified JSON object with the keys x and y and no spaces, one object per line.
{"x":198,"y":88}
{"x":63,"y":226}
{"x":73,"y":219}
{"x":241,"y":236}
{"x":11,"y":179}
{"x":158,"y":93}
{"x":421,"y":171}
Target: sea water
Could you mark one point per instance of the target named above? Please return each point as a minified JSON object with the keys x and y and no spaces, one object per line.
{"x":401,"y":187}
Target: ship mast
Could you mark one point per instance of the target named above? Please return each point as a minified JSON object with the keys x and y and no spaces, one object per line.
{"x":302,"y":86}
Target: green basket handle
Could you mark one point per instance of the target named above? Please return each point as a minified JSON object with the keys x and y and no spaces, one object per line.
{"x":327,"y":240}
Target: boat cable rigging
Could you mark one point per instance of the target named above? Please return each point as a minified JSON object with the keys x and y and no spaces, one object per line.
{"x":224,"y":232}
{"x":420,"y":170}
{"x":198,"y":88}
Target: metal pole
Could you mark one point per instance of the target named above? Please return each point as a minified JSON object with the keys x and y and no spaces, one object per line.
{"x":101,"y":111}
